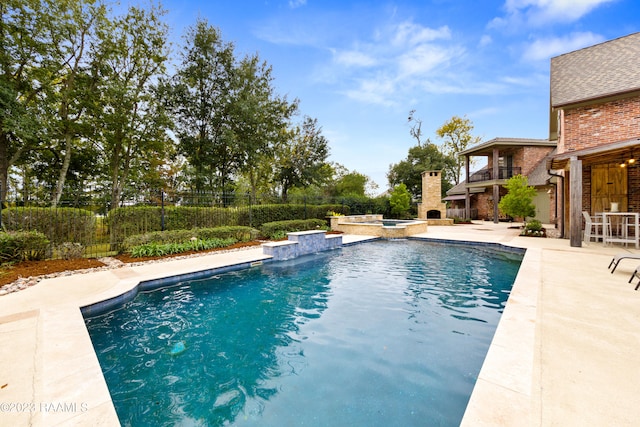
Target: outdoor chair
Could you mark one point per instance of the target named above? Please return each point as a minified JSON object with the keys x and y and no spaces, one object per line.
{"x":616,"y":259}
{"x":593,"y":227}
{"x":636,"y":273}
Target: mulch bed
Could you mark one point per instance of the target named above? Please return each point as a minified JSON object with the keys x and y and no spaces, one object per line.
{"x":40,"y":268}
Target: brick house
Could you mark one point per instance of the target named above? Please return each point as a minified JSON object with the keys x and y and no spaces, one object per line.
{"x":595,"y":118}
{"x":505,"y":157}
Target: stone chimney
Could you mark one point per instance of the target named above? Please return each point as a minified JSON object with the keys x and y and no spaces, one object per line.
{"x":432,"y":206}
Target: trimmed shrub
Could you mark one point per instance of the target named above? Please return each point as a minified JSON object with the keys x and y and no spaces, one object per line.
{"x":162,"y":249}
{"x":70,"y":250}
{"x":278,"y":229}
{"x":257,"y":215}
{"x":129,"y":221}
{"x":238,"y":233}
{"x":23,"y":246}
{"x":58,"y":224}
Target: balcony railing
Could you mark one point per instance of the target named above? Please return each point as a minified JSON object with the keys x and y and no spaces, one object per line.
{"x":487,"y":174}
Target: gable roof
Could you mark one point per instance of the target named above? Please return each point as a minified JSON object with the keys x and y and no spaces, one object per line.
{"x":606,"y":69}
{"x":540,"y":174}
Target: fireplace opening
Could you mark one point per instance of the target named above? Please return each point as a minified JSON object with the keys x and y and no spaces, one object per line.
{"x":433,"y":214}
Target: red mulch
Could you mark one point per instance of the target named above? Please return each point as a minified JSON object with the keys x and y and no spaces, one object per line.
{"x":40,"y":268}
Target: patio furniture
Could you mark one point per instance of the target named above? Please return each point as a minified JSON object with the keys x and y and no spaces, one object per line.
{"x":593,"y":227}
{"x":621,"y":223}
{"x":636,"y":273}
{"x":616,"y":260}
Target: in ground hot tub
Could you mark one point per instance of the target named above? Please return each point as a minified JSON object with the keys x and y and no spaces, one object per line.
{"x":375,"y":225}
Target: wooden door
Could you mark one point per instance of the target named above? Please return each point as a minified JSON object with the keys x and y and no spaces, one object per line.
{"x":608,"y":184}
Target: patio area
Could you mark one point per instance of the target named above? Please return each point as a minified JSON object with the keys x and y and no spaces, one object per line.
{"x":564,"y":352}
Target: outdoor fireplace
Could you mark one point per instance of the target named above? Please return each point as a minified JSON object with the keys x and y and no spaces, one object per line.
{"x":432,"y":206}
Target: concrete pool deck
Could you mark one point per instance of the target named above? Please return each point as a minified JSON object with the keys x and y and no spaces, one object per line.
{"x":563,"y":354}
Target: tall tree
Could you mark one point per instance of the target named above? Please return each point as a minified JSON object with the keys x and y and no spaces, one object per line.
{"x":199,"y":96}
{"x":260,"y":119}
{"x":457,"y":136}
{"x":132,"y":53}
{"x":24,"y":72}
{"x":420,"y":159}
{"x":73,"y":89}
{"x":302,"y":159}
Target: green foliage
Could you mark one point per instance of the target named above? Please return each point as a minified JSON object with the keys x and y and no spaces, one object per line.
{"x":458,"y":220}
{"x":351,"y":185}
{"x":70,"y":250}
{"x":278,"y":229}
{"x":533,"y":228}
{"x":162,"y":249}
{"x":533,"y":225}
{"x":133,"y":123}
{"x":237,"y":233}
{"x":199,"y":97}
{"x":456,"y":133}
{"x":301,"y":160}
{"x":400,"y":200}
{"x":130,"y":221}
{"x":518,"y":202}
{"x":257,"y":215}
{"x":58,"y":224}
{"x":23,"y":246}
{"x":420,"y":158}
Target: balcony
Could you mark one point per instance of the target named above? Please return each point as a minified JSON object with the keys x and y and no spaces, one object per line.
{"x":487,"y":174}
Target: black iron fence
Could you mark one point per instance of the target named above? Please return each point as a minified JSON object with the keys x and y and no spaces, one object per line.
{"x":89,"y":223}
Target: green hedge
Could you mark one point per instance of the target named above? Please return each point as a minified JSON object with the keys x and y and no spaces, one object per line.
{"x":238,"y":233}
{"x":128,"y":221}
{"x":261,"y":214}
{"x":58,"y":224}
{"x":23,"y":246}
{"x":278,"y":229}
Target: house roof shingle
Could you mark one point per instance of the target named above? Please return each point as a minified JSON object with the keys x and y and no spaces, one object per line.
{"x":606,"y":69}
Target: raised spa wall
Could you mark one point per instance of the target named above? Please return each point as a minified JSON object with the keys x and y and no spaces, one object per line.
{"x":356,"y":224}
{"x":302,"y":243}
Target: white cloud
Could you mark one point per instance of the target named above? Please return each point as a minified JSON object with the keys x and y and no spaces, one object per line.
{"x":424,"y":58}
{"x":376,"y":90}
{"x":485,"y":40}
{"x":543,"y":49}
{"x":544,"y":12}
{"x":293,"y":4}
{"x":353,"y":58}
{"x":410,"y":34}
{"x":398,"y":59}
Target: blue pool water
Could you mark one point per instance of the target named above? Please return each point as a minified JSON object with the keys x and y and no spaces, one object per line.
{"x":389,"y":333}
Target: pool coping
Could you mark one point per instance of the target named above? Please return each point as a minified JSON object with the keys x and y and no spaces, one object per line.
{"x":50,"y":374}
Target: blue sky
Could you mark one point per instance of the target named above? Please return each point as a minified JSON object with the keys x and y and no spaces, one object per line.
{"x":359,"y":67}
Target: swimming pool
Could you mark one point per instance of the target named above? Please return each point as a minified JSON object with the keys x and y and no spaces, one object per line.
{"x":383,"y":333}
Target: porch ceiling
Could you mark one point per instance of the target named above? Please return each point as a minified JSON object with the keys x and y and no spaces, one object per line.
{"x":614,"y":152}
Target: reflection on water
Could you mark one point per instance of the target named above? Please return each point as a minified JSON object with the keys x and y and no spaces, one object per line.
{"x":388,"y":333}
